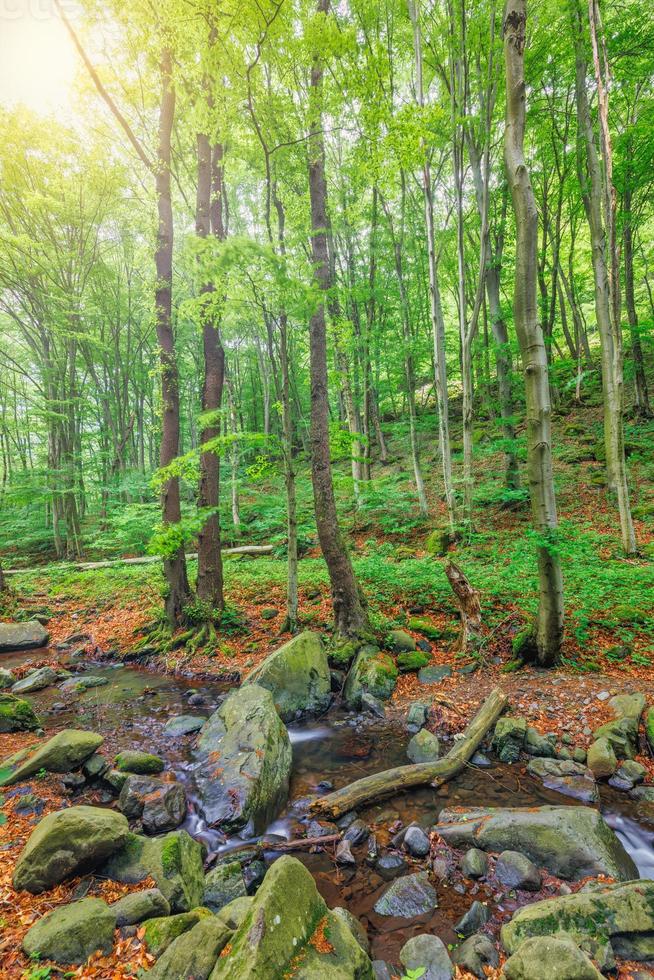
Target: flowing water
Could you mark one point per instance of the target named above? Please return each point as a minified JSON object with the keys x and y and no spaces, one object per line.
{"x":130,"y":711}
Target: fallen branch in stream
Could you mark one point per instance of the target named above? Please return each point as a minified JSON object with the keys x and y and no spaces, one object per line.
{"x":391,"y":782}
{"x":300,"y":843}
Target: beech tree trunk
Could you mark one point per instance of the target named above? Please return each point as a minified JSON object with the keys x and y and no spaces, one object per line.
{"x":349,"y":613}
{"x":598,"y":196}
{"x":532,"y":347}
{"x":641,"y":393}
{"x":209,"y":219}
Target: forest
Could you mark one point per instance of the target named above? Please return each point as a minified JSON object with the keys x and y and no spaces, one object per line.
{"x":327,"y":489}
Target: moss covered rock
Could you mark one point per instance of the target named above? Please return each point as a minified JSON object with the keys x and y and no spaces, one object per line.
{"x":509,"y":738}
{"x":141,"y":763}
{"x":438,"y":541}
{"x":139,"y":906}
{"x":194,"y":953}
{"x":423,"y":747}
{"x":36,"y":680}
{"x":22,"y":636}
{"x":222,"y":885}
{"x":622,"y":735}
{"x":70,"y":933}
{"x":243,"y":762}
{"x":16,"y":715}
{"x":549,"y":958}
{"x":400,"y":641}
{"x":425,"y":627}
{"x":373,"y":672}
{"x":414,"y":660}
{"x":289,"y":930}
{"x":601,"y":759}
{"x":297,"y":676}
{"x":620,"y":914}
{"x":66,"y":843}
{"x":63,"y":752}
{"x":570,"y":841}
{"x":175,"y":861}
{"x":160,"y":932}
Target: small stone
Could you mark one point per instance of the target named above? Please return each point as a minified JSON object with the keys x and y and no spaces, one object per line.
{"x":269,"y":613}
{"x":139,"y":906}
{"x":344,"y":853}
{"x":514,"y":870}
{"x":373,"y":705}
{"x":356,"y":833}
{"x":603,"y":695}
{"x":474,"y":919}
{"x":400,"y":641}
{"x":416,"y":716}
{"x":579,"y":755}
{"x":481,"y":760}
{"x":416,"y":841}
{"x":475,"y":954}
{"x":509,"y":737}
{"x":389,"y":866}
{"x":434,"y":675}
{"x":183,"y":725}
{"x":141,"y":763}
{"x":381,"y":970}
{"x":222,"y":885}
{"x":423,"y":747}
{"x":474,"y":863}
{"x":408,"y":897}
{"x":70,"y":933}
{"x":430,"y":954}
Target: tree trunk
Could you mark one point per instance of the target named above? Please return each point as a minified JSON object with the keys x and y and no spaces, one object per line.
{"x":597,"y":193}
{"x":530,"y":339}
{"x":209,"y":219}
{"x":174,"y":563}
{"x":641,"y":393}
{"x":349,"y":613}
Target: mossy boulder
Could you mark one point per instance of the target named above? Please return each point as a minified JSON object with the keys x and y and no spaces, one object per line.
{"x":194,"y":953}
{"x":222,"y":885}
{"x":372,"y":672}
{"x":628,"y":706}
{"x":297,"y":675}
{"x":423,"y":747}
{"x":64,"y":752}
{"x":36,"y":680}
{"x":601,"y":759}
{"x":243,"y":763}
{"x":649,"y":728}
{"x":399,"y":641}
{"x":438,"y":541}
{"x":550,"y":958}
{"x":139,"y":906}
{"x":140,"y":763}
{"x":509,"y":738}
{"x":160,"y":932}
{"x":70,"y":933}
{"x":22,"y":636}
{"x":66,"y":843}
{"x":622,"y":735}
{"x":235,"y":911}
{"x":621,"y":914}
{"x":16,"y":715}
{"x":570,"y":841}
{"x":414,"y":660}
{"x":289,"y":930}
{"x":423,"y":626}
{"x":175,"y":861}
{"x":7,"y":679}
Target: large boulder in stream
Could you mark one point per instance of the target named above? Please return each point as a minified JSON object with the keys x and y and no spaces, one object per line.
{"x":160,"y":805}
{"x":63,"y":752}
{"x":243,"y":762}
{"x":22,"y":636}
{"x":570,"y":841}
{"x":17,"y":715}
{"x":547,"y":958}
{"x":36,"y":680}
{"x":174,"y":861}
{"x":66,"y":843}
{"x":373,"y":672}
{"x":297,"y":675}
{"x":289,"y":930}
{"x":620,"y":916}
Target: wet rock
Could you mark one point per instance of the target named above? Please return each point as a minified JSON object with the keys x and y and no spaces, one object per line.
{"x":475,"y":954}
{"x":194,"y":953}
{"x":66,"y":843}
{"x":160,"y":806}
{"x":537,"y":744}
{"x":243,"y":762}
{"x":474,"y":919}
{"x":35,"y":681}
{"x":234,"y":913}
{"x":63,"y":752}
{"x":642,"y":794}
{"x":174,"y":861}
{"x":222,"y":885}
{"x":567,"y":777}
{"x":571,"y":841}
{"x":22,"y":636}
{"x":357,"y":832}
{"x":354,"y":926}
{"x":423,"y":747}
{"x":253,"y":875}
{"x":629,"y":774}
{"x":621,"y":914}
{"x":73,"y":780}
{"x":381,"y":970}
{"x":344,"y":855}
{"x":347,"y":820}
{"x":434,"y":675}
{"x":277,"y":930}
{"x":416,"y":716}
{"x":601,"y":759}
{"x":6,"y":678}
{"x":514,"y":870}
{"x":475,"y":863}
{"x":416,"y":841}
{"x":481,"y":760}
{"x":140,"y":763}
{"x":547,"y":958}
{"x":183,"y":725}
{"x":408,"y":897}
{"x":161,"y":932}
{"x":17,"y":715}
{"x":509,"y":737}
{"x":297,"y":675}
{"x":372,"y":705}
{"x":622,"y":735}
{"x":83,"y":682}
{"x":139,"y":906}
{"x":70,"y":933}
{"x":115,"y":779}
{"x":389,"y":866}
{"x":373,"y":672}
{"x":95,"y":766}
{"x":430,"y":953}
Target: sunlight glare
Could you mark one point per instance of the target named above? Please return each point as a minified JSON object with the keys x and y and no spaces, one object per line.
{"x":37,"y":60}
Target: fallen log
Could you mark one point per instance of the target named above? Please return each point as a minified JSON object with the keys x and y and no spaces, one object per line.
{"x":89,"y":566}
{"x":299,"y":843}
{"x":391,"y":782}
